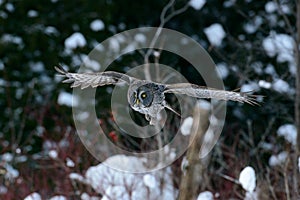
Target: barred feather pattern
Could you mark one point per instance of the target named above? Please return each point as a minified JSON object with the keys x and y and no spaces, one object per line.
{"x":84,"y":80}
{"x":211,"y":93}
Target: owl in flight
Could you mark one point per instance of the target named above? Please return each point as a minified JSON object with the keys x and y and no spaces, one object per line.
{"x":148,"y":97}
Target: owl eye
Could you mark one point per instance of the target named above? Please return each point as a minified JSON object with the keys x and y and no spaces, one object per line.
{"x":143,"y":95}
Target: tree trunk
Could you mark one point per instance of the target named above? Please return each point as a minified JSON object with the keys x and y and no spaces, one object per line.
{"x":194,"y":176}
{"x":297,"y":103}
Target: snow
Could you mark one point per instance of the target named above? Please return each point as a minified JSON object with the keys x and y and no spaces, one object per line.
{"x":223,"y":70}
{"x":91,"y":64}
{"x":37,"y":66}
{"x":75,"y":176}
{"x":11,"y":173}
{"x":97,"y":25}
{"x":10,"y":7}
{"x":7,"y":157}
{"x":33,"y":196}
{"x":257,"y":66}
{"x":215,"y":34}
{"x":141,"y":38}
{"x":150,"y":181}
{"x":58,"y":197}
{"x":12,"y":39}
{"x":32,"y":13}
{"x":249,"y":87}
{"x":197,"y":4}
{"x":53,"y":154}
{"x":264,"y":84}
{"x":281,"y":86}
{"x":278,"y":159}
{"x":69,"y":162}
{"x":289,"y":132}
{"x":51,"y":30}
{"x":3,"y":189}
{"x":127,"y":163}
{"x":74,"y":41}
{"x":252,"y":26}
{"x":281,"y":45}
{"x":270,"y":70}
{"x":85,"y":196}
{"x":186,"y":126}
{"x":206,"y":195}
{"x":115,"y":184}
{"x":248,"y":179}
{"x":184,"y":164}
{"x":203,"y":104}
{"x":271,"y":7}
{"x":67,"y":99}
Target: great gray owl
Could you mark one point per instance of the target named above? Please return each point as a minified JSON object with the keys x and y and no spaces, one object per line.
{"x":148,"y":97}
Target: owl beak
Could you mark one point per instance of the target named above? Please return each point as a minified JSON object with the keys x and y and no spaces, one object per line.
{"x":137,"y":101}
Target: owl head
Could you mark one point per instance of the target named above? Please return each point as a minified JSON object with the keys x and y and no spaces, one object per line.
{"x":141,"y":96}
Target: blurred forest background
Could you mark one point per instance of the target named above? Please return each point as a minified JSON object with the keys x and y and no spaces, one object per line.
{"x":253,"y":46}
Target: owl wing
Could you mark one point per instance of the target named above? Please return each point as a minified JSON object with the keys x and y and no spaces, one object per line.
{"x":93,"y":80}
{"x":211,"y":93}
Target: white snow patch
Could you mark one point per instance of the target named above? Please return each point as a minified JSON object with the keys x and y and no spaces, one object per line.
{"x":141,"y":38}
{"x":251,"y":27}
{"x":150,"y":181}
{"x":85,"y":196}
{"x":7,"y":157}
{"x":249,"y":87}
{"x":281,"y":45}
{"x":186,"y":126}
{"x":70,"y":162}
{"x":248,"y":179}
{"x":215,"y":34}
{"x":53,"y":154}
{"x":37,"y":66}
{"x":97,"y":25}
{"x":203,"y":104}
{"x":33,"y":196}
{"x":11,"y":173}
{"x":12,"y":39}
{"x":58,"y":197}
{"x":281,"y":86}
{"x":270,"y":70}
{"x":271,"y":7}
{"x":91,"y":64}
{"x":67,"y":99}
{"x":206,"y":195}
{"x":75,"y":176}
{"x":264,"y":84}
{"x":114,"y":45}
{"x":278,"y":159}
{"x":289,"y":132}
{"x":74,"y":41}
{"x":115,"y":184}
{"x":51,"y":30}
{"x":184,"y":164}
{"x":3,"y":189}
{"x":10,"y":7}
{"x":32,"y":13}
{"x":197,"y":4}
{"x":223,"y":70}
